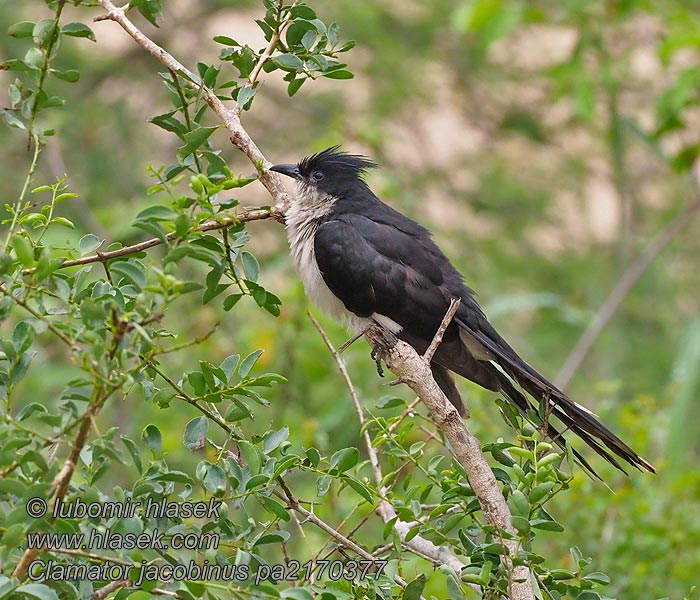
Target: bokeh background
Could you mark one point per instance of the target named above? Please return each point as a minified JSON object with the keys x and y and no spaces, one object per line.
{"x":545,"y":143}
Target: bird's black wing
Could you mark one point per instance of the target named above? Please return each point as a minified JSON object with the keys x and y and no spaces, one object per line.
{"x":375,"y":267}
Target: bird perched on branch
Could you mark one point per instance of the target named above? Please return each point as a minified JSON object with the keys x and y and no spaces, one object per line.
{"x":363,"y":262}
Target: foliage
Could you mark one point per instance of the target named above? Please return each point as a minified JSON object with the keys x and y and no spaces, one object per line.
{"x":113,"y":361}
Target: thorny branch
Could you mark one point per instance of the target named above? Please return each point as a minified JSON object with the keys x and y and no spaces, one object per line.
{"x":103,"y":257}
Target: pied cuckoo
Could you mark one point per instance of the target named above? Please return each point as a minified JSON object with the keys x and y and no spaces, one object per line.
{"x":362,"y":262}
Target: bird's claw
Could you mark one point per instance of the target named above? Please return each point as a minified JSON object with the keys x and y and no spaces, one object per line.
{"x":377,"y":354}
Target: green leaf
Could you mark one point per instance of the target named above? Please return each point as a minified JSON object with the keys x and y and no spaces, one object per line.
{"x":231,"y":300}
{"x":302,"y":11}
{"x":13,"y":535}
{"x":546,"y":525}
{"x":195,"y":139}
{"x":297,"y":593}
{"x":156,"y":212}
{"x":168,"y":122}
{"x":250,"y":265}
{"x":24,"y":249}
{"x":339,"y":74}
{"x":273,"y":439}
{"x":22,"y":337}
{"x":229,"y":364}
{"x":454,"y":589}
{"x":30,"y":409}
{"x":195,"y":435}
{"x":76,"y":29}
{"x":289,"y":62}
{"x":359,"y":487}
{"x":256,"y":481}
{"x":248,"y":362}
{"x":212,"y":476}
{"x":12,"y":120}
{"x":131,"y":271}
{"x":89,"y":243}
{"x":23,"y":29}
{"x":273,"y":537}
{"x":294,"y":86}
{"x":153,"y":438}
{"x":133,"y":452}
{"x":387,"y":402}
{"x":36,"y":590}
{"x":597,"y":577}
{"x":43,"y":30}
{"x":518,"y":504}
{"x":70,"y":75}
{"x":344,"y":459}
{"x":323,"y":484}
{"x":225,"y":40}
{"x":298,"y":30}
{"x":250,"y":455}
{"x":540,"y":491}
{"x":276,"y":508}
{"x":62,"y":221}
{"x":415,"y":588}
{"x":151,"y":9}
{"x":245,"y":95}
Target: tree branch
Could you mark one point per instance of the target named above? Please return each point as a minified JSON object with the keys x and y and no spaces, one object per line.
{"x":229,"y":117}
{"x":103,"y":257}
{"x":64,"y":476}
{"x":415,"y":371}
{"x":419,"y":545}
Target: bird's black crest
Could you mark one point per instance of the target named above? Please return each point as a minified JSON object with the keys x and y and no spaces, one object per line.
{"x":336,"y":163}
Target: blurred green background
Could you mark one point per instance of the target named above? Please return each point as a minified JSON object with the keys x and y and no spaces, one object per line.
{"x":545,"y":144}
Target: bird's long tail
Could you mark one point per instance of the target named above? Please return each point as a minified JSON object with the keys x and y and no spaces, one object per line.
{"x":578,"y":420}
{"x":573,"y":416}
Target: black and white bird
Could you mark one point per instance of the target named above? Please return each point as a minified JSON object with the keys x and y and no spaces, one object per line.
{"x":362,"y":262}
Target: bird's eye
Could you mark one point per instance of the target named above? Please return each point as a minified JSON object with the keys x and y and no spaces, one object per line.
{"x":317,"y":175}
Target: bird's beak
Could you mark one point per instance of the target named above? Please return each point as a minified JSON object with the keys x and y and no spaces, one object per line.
{"x":287,"y":169}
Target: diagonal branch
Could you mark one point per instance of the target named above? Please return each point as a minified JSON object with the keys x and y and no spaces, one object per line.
{"x":446,"y":320}
{"x":629,"y":277}
{"x":415,"y":371}
{"x":294,"y":504}
{"x":230,"y":117}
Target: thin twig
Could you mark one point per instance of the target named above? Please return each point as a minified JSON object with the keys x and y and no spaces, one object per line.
{"x":62,"y":480}
{"x":274,"y":40}
{"x":23,"y":303}
{"x":294,"y":504}
{"x":446,"y":320}
{"x":105,"y":591}
{"x":103,"y":257}
{"x":409,"y":409}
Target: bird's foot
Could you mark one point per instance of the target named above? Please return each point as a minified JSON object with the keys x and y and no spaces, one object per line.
{"x":377,"y":354}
